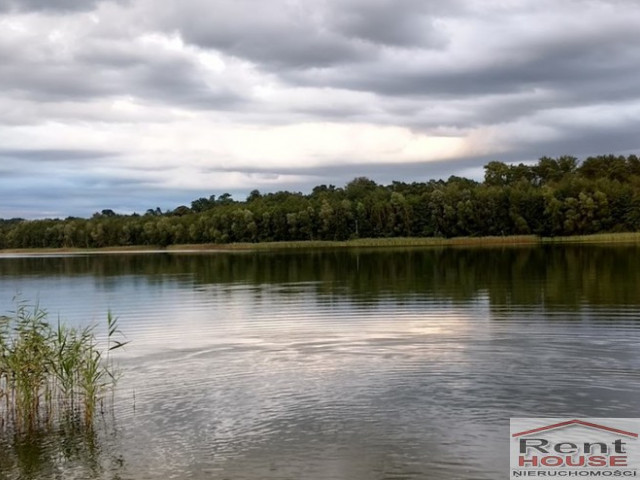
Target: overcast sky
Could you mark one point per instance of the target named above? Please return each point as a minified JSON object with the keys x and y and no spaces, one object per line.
{"x":134,"y":104}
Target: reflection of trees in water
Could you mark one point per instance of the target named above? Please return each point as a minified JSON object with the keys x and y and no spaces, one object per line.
{"x":68,"y":450}
{"x":544,"y":275}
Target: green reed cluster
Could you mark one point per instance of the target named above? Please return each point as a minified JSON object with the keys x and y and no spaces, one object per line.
{"x":50,"y":373}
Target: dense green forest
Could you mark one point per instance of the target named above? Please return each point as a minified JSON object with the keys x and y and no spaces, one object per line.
{"x":556,"y":196}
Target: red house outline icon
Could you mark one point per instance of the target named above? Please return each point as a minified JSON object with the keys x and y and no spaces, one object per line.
{"x":576,"y":422}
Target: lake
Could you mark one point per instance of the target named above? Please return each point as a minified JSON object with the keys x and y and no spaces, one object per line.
{"x":336,"y":364}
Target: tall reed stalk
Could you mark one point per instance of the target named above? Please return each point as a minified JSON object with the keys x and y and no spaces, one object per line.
{"x":51,"y":373}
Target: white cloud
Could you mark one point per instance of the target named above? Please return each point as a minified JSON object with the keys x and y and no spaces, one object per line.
{"x":185,"y":97}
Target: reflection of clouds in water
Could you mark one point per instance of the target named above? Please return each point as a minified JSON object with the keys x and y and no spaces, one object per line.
{"x":297,"y":321}
{"x":313,"y":370}
{"x":243,"y":367}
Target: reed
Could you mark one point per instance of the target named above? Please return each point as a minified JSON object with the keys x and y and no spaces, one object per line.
{"x":596,"y":238}
{"x":508,"y":240}
{"x":49,"y":373}
{"x":390,"y":242}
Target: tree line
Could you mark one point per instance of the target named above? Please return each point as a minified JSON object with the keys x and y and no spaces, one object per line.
{"x":556,"y":196}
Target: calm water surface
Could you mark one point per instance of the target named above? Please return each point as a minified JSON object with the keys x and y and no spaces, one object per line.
{"x":386,"y":364}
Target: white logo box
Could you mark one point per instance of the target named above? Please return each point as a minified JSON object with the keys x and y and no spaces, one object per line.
{"x":574,"y":447}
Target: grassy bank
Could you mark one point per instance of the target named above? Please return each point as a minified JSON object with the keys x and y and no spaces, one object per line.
{"x":601,"y":238}
{"x":628,"y":237}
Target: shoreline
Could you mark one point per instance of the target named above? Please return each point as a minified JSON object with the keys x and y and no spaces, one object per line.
{"x":395,"y":242}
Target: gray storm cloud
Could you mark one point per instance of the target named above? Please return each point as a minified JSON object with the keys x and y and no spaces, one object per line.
{"x":201,"y":94}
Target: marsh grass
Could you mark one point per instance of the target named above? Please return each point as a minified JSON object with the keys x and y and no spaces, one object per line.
{"x":597,"y":238}
{"x":52,"y":373}
{"x":391,"y":242}
{"x":497,"y":241}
